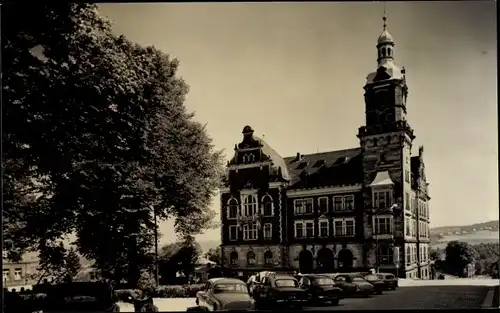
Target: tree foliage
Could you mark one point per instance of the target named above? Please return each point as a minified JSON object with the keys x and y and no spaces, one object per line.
{"x":488,"y":256}
{"x":458,"y":255}
{"x":214,"y":255}
{"x":58,"y":262}
{"x":96,"y":136}
{"x":179,"y":257}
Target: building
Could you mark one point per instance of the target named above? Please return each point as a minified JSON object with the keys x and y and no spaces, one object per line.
{"x":17,"y":275}
{"x":342,"y":210}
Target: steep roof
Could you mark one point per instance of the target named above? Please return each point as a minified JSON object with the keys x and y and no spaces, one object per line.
{"x":333,"y":168}
{"x":277,"y":160}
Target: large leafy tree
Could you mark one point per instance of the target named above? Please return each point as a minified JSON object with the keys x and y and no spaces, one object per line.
{"x":95,"y":138}
{"x":178,"y":257}
{"x":458,"y":255}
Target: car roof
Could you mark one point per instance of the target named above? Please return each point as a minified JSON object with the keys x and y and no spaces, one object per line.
{"x":219,"y":280}
{"x":282,"y":276}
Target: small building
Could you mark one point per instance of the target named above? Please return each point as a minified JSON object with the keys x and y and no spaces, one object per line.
{"x":23,"y":274}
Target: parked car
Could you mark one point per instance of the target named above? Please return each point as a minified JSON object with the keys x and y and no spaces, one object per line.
{"x":321,"y":288}
{"x":353,"y":285}
{"x":390,"y":280}
{"x":223,"y":294}
{"x":373,"y":279}
{"x":279,"y":289}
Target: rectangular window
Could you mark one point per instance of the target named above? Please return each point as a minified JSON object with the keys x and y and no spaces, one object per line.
{"x":414,"y":206}
{"x":6,"y":275}
{"x":381,"y":199}
{"x":233,"y":232}
{"x":250,"y":231}
{"x":385,"y":255}
{"x":349,"y":203}
{"x":303,"y":206}
{"x":338,"y":229}
{"x":344,"y":227}
{"x":408,"y":255}
{"x":349,"y":228}
{"x":323,"y":228}
{"x":268,"y":231}
{"x":338,"y":203}
{"x":407,"y":200}
{"x":323,"y":205}
{"x":383,"y":225}
{"x":299,"y":230}
{"x":414,"y":234}
{"x":309,"y":229}
{"x":18,"y":273}
{"x":407,"y":227}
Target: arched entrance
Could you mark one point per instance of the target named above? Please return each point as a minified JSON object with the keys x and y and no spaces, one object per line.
{"x":305,"y":261}
{"x":345,"y":259}
{"x":325,"y":260}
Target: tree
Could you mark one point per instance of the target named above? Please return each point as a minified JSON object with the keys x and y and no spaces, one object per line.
{"x":214,"y":255}
{"x":458,"y":255}
{"x":178,"y":257}
{"x":435,"y":254}
{"x":96,"y":137}
{"x":56,"y":261}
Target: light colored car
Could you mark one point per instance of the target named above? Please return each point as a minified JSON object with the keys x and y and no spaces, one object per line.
{"x":223,"y":294}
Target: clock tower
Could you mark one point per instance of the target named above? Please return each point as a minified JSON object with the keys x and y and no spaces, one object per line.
{"x":386,"y":141}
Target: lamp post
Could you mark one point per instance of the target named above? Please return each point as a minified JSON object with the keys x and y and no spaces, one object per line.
{"x":157,"y":273}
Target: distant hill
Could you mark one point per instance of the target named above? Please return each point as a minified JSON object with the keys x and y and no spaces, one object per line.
{"x":448,"y":230}
{"x":473,"y":234}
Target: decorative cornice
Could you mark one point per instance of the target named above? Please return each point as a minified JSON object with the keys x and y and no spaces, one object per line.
{"x":251,"y":165}
{"x":323,"y":191}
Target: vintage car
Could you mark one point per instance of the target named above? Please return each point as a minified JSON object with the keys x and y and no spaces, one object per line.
{"x":223,"y":294}
{"x":373,"y":279}
{"x":390,"y":281}
{"x":79,"y":297}
{"x":321,"y":288}
{"x":279,"y":289}
{"x":353,"y":285}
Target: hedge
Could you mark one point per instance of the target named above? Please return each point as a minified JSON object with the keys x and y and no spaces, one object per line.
{"x":178,"y":291}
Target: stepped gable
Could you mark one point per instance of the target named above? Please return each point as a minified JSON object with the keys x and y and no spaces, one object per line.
{"x":325,"y":169}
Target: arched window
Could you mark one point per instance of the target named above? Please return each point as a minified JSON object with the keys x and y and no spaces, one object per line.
{"x":251,"y":258}
{"x":267,"y":203}
{"x":268,"y":258}
{"x":248,"y":158}
{"x":250,"y":205}
{"x":383,"y":52}
{"x":389,"y":51}
{"x":232,"y":209}
{"x":234,"y":258}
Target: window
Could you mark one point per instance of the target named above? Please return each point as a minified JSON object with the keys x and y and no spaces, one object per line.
{"x":408,"y":204}
{"x":414,"y":233}
{"x":303,"y":206}
{"x":248,"y":158}
{"x":338,"y":229}
{"x":338,"y":203}
{"x":349,"y":228}
{"x":309,"y":229}
{"x":408,"y":255}
{"x":268,"y":258}
{"x":6,"y":276}
{"x":385,"y":255}
{"x":267,"y":203}
{"x":234,"y":258}
{"x":414,"y":206}
{"x":250,"y":205}
{"x":381,"y":199}
{"x":407,"y":176}
{"x":299,"y":229}
{"x":323,"y":228}
{"x":250,"y":231}
{"x":344,"y":227}
{"x":323,"y":205}
{"x":383,"y":225}
{"x":17,"y":274}
{"x":349,"y":203}
{"x":407,"y":227}
{"x":251,"y":258}
{"x":232,"y":211}
{"x":268,"y":231}
{"x":233,"y":232}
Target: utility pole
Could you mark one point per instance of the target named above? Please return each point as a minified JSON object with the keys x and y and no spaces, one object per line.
{"x":157,"y":274}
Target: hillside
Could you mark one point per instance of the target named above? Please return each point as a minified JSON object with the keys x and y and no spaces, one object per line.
{"x":452,"y":230}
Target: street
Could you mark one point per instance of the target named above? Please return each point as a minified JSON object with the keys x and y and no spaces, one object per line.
{"x":428,"y":297}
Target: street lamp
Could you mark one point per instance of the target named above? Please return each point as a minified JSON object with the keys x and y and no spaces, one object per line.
{"x":157,"y":273}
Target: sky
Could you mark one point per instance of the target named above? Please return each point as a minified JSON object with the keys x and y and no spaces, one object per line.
{"x":295,"y":73}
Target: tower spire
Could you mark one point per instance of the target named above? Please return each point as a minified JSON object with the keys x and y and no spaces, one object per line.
{"x":385,"y":15}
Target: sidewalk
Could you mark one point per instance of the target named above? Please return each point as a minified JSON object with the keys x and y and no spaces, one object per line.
{"x":449,"y":282}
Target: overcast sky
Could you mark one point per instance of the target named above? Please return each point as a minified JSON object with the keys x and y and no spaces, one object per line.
{"x":295,"y":73}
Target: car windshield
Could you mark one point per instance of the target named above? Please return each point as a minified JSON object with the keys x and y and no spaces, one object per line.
{"x":371,"y":277}
{"x":323,"y":281}
{"x":390,"y":276}
{"x":358,"y":279}
{"x":286,"y":283}
{"x":230,"y":288}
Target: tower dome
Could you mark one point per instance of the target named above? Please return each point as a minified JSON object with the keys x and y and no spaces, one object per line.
{"x":385,"y":37}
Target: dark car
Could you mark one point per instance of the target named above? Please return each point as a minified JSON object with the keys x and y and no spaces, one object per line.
{"x":377,"y":283}
{"x":279,"y":289}
{"x":321,"y":288}
{"x":354,"y":285}
{"x":79,"y":297}
{"x":225,"y":294}
{"x":390,"y":281}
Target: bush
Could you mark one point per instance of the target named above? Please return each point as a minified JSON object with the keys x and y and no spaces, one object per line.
{"x":178,"y":291}
{"x":123,"y":294}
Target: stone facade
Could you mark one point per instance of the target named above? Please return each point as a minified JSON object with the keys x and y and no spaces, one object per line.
{"x":345,"y":210}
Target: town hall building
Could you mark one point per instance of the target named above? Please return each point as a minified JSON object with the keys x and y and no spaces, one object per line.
{"x":338,"y":211}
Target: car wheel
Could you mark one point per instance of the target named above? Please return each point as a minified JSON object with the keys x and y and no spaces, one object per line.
{"x":335,"y":301}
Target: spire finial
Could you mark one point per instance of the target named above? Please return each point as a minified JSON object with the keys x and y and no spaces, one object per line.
{"x":385,"y":15}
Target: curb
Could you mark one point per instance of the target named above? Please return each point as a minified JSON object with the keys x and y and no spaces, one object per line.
{"x":488,"y":300}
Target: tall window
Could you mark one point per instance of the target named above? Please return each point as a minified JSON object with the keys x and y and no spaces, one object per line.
{"x":5,"y":275}
{"x":323,"y":228}
{"x":232,"y":208}
{"x":18,"y":273}
{"x":303,"y":206}
{"x":267,"y":203}
{"x":408,"y":255}
{"x":309,"y":229}
{"x":349,"y":228}
{"x":323,"y":205}
{"x":251,"y":258}
{"x":250,"y":205}
{"x":338,"y":203}
{"x":233,"y":232}
{"x":414,"y":234}
{"x":386,"y":255}
{"x":299,"y":229}
{"x":268,"y":231}
{"x":407,"y":176}
{"x":234,"y":258}
{"x":344,"y":227}
{"x":338,"y":228}
{"x":381,"y":199}
{"x":268,"y":258}
{"x":304,"y":229}
{"x":407,"y":200}
{"x":383,"y":225}
{"x":349,"y":203}
{"x":407,"y":226}
{"x":250,"y":231}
